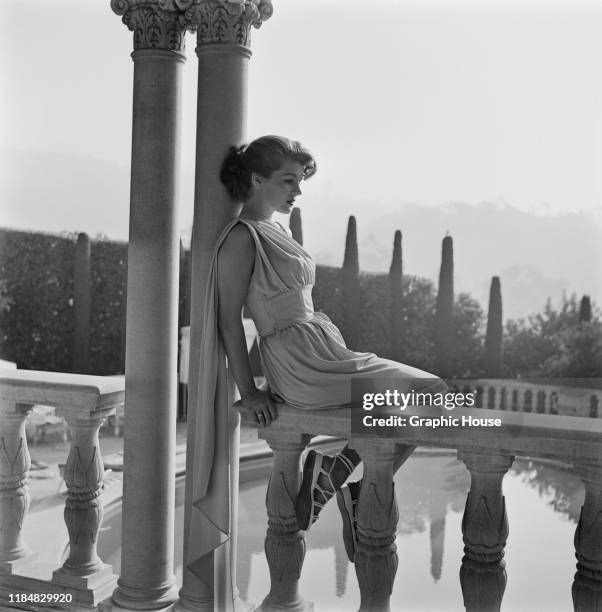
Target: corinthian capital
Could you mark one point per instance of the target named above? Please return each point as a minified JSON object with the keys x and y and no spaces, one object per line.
{"x":157,"y":24}
{"x":227,"y":21}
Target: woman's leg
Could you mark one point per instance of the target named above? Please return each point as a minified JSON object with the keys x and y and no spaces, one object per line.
{"x":323,"y":476}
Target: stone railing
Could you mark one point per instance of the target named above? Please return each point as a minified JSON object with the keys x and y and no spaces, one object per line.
{"x":574,"y":397}
{"x":487,"y":452}
{"x":84,"y":402}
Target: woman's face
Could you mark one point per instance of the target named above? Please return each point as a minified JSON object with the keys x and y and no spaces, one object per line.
{"x":278,"y":192}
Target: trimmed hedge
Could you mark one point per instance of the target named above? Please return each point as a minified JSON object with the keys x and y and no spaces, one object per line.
{"x":107,"y":332}
{"x":37,"y":325}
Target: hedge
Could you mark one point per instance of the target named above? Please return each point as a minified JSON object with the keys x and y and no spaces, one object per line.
{"x":37,"y":323}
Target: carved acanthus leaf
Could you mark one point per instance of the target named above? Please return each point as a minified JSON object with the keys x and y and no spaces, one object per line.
{"x":157,"y":24}
{"x":227,"y":21}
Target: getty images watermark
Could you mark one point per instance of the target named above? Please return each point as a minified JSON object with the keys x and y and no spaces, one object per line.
{"x":390,"y":404}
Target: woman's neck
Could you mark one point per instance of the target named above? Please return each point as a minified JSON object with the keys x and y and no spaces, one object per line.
{"x":256,"y":212}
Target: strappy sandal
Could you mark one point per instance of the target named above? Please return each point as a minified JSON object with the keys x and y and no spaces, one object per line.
{"x":312,"y":497}
{"x":347,"y":498}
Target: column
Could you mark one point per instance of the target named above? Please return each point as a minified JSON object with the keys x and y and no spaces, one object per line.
{"x":147,"y":580}
{"x":223,"y":38}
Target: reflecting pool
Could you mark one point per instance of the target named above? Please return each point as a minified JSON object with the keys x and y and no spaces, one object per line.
{"x":542,"y":501}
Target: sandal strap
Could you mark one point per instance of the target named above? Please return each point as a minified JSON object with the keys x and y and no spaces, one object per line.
{"x":346,"y":462}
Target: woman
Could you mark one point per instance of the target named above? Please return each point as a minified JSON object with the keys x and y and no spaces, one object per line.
{"x":304,"y":357}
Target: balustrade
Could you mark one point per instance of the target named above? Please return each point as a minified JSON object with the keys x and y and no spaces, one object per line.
{"x":487,"y":453}
{"x":84,"y":402}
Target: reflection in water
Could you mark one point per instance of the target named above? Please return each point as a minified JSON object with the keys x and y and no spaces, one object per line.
{"x":557,"y":484}
{"x":431,"y":493}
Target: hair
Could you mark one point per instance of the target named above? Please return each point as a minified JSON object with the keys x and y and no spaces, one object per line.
{"x":263,"y":156}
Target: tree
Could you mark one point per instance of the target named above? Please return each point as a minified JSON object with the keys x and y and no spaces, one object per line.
{"x":444,"y":313}
{"x":554,"y":344}
{"x":493,"y":337}
{"x":468,"y":354}
{"x":395,"y":286}
{"x":351,"y":286}
{"x":295,"y":225}
{"x":585,"y":310}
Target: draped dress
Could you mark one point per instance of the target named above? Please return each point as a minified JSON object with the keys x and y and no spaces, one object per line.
{"x":304,"y":359}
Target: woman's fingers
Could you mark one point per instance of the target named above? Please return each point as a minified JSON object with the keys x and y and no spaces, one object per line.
{"x":259,"y":408}
{"x":263,"y":417}
{"x":273,"y":410}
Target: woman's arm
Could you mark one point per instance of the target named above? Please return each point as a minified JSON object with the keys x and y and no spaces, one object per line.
{"x":234,"y":268}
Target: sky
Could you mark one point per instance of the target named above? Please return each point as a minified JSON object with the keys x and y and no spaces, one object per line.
{"x":401,"y":101}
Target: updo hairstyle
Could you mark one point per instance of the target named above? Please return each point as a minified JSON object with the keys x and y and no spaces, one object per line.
{"x":262,"y":156}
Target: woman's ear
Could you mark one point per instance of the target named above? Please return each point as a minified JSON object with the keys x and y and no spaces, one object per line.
{"x":256,"y":180}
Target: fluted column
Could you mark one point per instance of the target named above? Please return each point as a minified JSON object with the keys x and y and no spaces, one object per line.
{"x":587,"y":586}
{"x":485,"y":531}
{"x":223,"y":37}
{"x":15,"y":463}
{"x":147,"y":580}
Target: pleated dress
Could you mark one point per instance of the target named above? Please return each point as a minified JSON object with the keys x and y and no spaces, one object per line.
{"x":303,"y":354}
{"x":304,"y":359}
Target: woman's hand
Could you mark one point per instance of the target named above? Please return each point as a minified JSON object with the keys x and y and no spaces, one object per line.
{"x":258,"y":407}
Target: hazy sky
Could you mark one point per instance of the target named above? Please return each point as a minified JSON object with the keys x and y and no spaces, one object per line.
{"x":401,"y":101}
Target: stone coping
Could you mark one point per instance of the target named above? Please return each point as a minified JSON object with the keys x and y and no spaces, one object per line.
{"x":61,"y":390}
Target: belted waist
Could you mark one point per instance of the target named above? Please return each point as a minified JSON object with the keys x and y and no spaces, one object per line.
{"x":282,"y":310}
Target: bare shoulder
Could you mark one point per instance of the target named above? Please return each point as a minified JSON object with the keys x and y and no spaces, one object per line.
{"x":237,"y":251}
{"x":238,"y":241}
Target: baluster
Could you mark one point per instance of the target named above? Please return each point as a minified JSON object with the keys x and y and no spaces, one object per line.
{"x":285,"y":542}
{"x":553,"y":402}
{"x":377,"y":516}
{"x":515,"y":400}
{"x":491,"y":393}
{"x":541,"y":401}
{"x":503,"y":399}
{"x":593,"y":407}
{"x":83,"y":509}
{"x":15,"y":463}
{"x":485,"y":531}
{"x":528,"y":401}
{"x":587,"y":585}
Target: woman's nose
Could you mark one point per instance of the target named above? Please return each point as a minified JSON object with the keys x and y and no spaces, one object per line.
{"x":297,"y":190}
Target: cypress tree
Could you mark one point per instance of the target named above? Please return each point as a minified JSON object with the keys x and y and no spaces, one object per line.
{"x":82,"y":305}
{"x":295,"y":225}
{"x":395,"y":284}
{"x":585,"y":310}
{"x":493,"y":338}
{"x":444,"y":313}
{"x":351,"y":286}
